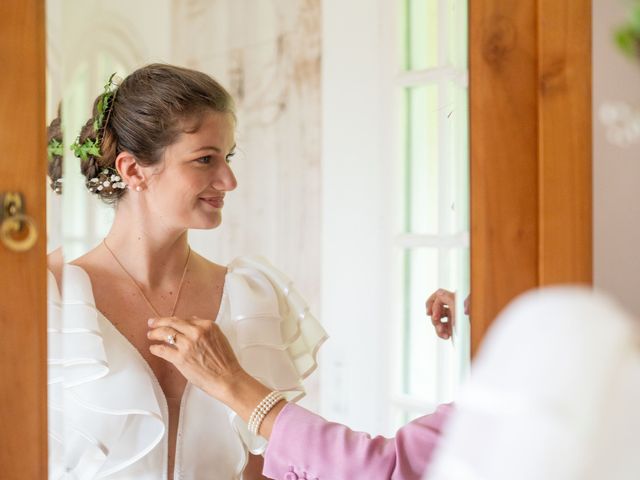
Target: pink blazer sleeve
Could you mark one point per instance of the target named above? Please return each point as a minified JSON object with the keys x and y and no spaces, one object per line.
{"x":305,"y":446}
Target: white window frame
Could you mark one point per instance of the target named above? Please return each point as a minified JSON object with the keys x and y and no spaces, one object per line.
{"x":452,"y":363}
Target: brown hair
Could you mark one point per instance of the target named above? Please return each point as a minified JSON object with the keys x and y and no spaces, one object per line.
{"x":54,"y":165}
{"x":147,"y":113}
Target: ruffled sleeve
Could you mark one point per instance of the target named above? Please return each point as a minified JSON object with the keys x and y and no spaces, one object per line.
{"x":272,"y":331}
{"x":103,"y":407}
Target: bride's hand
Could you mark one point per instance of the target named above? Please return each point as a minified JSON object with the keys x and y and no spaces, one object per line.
{"x":200,"y":351}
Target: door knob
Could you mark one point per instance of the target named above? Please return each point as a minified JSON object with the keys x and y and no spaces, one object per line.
{"x":18,"y":231}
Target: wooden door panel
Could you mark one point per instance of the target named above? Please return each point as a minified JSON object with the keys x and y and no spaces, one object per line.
{"x":530,"y":115}
{"x":565,"y":144}
{"x":504,"y":171}
{"x":23,"y":423}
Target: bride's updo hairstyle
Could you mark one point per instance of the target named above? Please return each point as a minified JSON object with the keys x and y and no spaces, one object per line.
{"x":55,"y":152}
{"x":143,"y":115}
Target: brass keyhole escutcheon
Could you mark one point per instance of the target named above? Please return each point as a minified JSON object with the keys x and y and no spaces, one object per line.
{"x":18,"y":231}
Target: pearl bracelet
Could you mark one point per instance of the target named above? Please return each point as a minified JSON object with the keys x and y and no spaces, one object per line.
{"x":261,"y":411}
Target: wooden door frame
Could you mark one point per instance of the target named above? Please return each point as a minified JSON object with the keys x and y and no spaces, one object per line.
{"x":23,"y":287}
{"x":530,"y":129}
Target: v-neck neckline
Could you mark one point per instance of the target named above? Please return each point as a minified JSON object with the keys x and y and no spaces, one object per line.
{"x":165,"y":405}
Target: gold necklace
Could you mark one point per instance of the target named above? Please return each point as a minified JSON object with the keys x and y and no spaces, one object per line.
{"x":184,"y":274}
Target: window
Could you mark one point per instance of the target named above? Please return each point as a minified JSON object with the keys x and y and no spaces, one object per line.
{"x":432,"y":241}
{"x":395,"y":215}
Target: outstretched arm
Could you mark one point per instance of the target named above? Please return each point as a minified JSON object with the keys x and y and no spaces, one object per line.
{"x":301,"y":443}
{"x":311,"y":447}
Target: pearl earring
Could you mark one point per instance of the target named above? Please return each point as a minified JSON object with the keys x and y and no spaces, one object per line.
{"x":138,"y":188}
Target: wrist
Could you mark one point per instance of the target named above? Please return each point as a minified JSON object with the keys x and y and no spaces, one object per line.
{"x":241,"y":392}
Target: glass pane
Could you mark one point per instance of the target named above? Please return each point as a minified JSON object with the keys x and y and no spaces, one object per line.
{"x":419,"y":34}
{"x":454,"y":164}
{"x":461,"y":356}
{"x":271,"y":103}
{"x":457,"y":33}
{"x":431,"y":368}
{"x":399,"y":416}
{"x":421,"y":158}
{"x":53,"y":199}
{"x":453,"y":355}
{"x":435,"y":201}
{"x":420,"y":352}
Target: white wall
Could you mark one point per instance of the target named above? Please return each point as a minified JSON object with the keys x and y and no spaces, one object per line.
{"x":616,"y":169}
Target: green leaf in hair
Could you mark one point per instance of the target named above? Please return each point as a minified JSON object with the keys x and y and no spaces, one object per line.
{"x":54,"y":149}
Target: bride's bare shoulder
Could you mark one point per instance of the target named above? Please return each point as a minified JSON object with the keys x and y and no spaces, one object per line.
{"x":207,"y":267}
{"x":89,"y":262}
{"x":93,"y":263}
{"x":54,"y":264}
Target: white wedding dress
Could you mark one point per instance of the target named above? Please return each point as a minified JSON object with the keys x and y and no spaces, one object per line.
{"x":108,"y":416}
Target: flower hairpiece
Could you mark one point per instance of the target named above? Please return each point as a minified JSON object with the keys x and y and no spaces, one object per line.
{"x":90,"y":148}
{"x":54,"y":149}
{"x":108,"y":179}
{"x":105,"y":101}
{"x":56,"y":185}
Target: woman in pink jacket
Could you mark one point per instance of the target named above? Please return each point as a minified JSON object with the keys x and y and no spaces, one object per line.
{"x":302,"y":445}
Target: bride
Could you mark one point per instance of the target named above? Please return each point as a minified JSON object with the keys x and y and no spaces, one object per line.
{"x":158,"y":148}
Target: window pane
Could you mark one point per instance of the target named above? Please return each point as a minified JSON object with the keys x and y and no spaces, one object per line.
{"x":421,"y":159}
{"x":420,"y":352}
{"x":457,"y":33}
{"x":419,"y":30}
{"x":454,"y":218}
